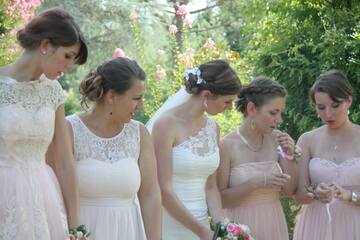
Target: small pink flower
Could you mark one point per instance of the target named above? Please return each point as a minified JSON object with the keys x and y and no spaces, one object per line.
{"x":118,"y":53}
{"x":187,"y":22}
{"x":160,"y":72}
{"x":72,"y":237}
{"x":230,"y":227}
{"x":173,"y":29}
{"x":246,"y":237}
{"x":209,"y":43}
{"x":182,"y":10}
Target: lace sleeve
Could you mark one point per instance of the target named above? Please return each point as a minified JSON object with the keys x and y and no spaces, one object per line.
{"x":58,"y":95}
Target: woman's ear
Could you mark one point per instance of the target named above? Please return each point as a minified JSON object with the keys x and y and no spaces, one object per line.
{"x":110,"y":97}
{"x":45,"y":46}
{"x":251,"y":109}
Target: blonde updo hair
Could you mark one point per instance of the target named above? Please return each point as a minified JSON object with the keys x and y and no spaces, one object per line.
{"x":218,"y":77}
{"x":117,"y":74}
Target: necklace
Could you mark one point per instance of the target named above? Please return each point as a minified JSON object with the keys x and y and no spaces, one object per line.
{"x":247,"y":143}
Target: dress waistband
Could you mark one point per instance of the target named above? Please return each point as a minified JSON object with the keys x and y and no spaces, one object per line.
{"x":106,"y":202}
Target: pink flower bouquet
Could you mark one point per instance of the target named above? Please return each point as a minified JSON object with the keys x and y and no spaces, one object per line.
{"x":230,"y":230}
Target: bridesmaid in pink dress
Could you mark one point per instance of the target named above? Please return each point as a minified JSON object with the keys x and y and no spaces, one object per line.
{"x":251,"y":173}
{"x":331,"y":164}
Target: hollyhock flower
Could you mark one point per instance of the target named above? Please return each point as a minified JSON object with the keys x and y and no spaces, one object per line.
{"x":118,"y":53}
{"x":182,"y":10}
{"x":209,"y":43}
{"x":187,"y":58}
{"x":160,"y":72}
{"x":134,"y":15}
{"x":187,"y":22}
{"x":173,"y":29}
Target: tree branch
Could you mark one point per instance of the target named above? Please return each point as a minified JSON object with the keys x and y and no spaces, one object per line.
{"x":210,"y":28}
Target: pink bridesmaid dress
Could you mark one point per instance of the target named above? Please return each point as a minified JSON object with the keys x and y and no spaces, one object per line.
{"x":261,"y":209}
{"x":338,"y":219}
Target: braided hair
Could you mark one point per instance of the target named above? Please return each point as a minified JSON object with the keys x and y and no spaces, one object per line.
{"x":259,"y":91}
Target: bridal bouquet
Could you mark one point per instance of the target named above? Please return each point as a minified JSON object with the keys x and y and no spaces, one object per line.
{"x":79,"y":233}
{"x":230,"y":230}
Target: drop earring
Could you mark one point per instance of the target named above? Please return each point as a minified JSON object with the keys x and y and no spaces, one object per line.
{"x":205,"y":103}
{"x":252,"y":124}
{"x":110,"y":113}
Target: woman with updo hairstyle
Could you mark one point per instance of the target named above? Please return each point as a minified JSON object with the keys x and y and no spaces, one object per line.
{"x":252,"y":173}
{"x":186,"y":148}
{"x":38,"y":181}
{"x":329,"y":179}
{"x":119,"y":192}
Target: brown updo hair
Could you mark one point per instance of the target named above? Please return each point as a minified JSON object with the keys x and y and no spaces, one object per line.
{"x":117,"y":74}
{"x":334,"y":83}
{"x":56,"y":25}
{"x":259,"y":91}
{"x":219,"y":78}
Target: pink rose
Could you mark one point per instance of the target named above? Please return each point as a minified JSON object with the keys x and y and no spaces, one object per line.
{"x":72,"y":237}
{"x":182,"y":10}
{"x":118,"y":53}
{"x":238,"y":230}
{"x":173,"y":29}
{"x":246,"y":237}
{"x":230,"y":227}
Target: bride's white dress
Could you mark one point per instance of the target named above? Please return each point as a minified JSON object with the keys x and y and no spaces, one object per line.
{"x":109,"y":179}
{"x":31,"y":204}
{"x":194,"y":160}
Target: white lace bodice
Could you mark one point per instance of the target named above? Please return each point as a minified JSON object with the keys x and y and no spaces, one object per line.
{"x":194,"y":160}
{"x":108,"y":167}
{"x":110,"y":150}
{"x":27,"y":113}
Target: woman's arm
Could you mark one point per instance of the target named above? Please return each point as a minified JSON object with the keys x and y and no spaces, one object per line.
{"x":213,"y":197}
{"x":60,"y":158}
{"x":301,"y":195}
{"x":164,"y":137}
{"x":289,"y":167}
{"x":149,"y":193}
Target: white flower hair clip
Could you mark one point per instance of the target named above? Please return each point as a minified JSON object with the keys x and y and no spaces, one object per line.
{"x":196,"y":72}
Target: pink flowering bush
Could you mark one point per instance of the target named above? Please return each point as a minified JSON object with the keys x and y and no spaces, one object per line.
{"x":24,"y":9}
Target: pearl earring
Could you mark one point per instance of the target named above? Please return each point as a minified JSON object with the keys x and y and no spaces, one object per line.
{"x":110,"y":113}
{"x":43,"y":52}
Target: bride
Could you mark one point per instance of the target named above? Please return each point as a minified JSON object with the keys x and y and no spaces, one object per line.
{"x":187,"y":152}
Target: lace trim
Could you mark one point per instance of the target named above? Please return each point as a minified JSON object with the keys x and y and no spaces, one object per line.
{"x":31,"y":95}
{"x":87,"y":145}
{"x":339,"y":167}
{"x":203,"y":143}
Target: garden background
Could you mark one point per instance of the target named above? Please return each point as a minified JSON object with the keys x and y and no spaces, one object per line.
{"x":291,"y":41}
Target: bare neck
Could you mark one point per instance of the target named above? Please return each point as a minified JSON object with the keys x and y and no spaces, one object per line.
{"x":25,"y":68}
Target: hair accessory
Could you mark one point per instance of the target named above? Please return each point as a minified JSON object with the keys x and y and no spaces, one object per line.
{"x":194,"y":71}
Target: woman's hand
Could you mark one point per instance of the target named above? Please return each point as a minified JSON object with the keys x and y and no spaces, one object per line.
{"x":324,"y":192}
{"x":342,"y":193}
{"x":286,"y":143}
{"x":276,"y":179}
{"x":206,"y":234}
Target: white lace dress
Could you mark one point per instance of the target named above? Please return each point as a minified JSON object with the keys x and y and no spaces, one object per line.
{"x":194,"y":160}
{"x":31,"y":204}
{"x":109,"y":179}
